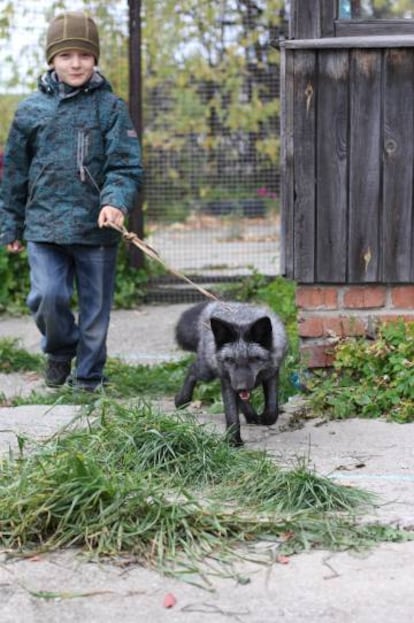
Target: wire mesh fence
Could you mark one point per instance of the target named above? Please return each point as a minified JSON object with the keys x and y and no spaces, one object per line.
{"x":210,"y":123}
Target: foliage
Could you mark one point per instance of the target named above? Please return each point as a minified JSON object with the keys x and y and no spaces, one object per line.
{"x":14,"y":281}
{"x":370,"y":379}
{"x":127,"y":479}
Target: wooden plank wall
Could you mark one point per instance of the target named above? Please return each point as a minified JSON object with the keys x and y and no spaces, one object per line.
{"x":398,"y":217}
{"x":332,"y":150}
{"x":304,"y":126}
{"x":365,"y":156}
{"x":348,"y":132}
{"x":311,"y":19}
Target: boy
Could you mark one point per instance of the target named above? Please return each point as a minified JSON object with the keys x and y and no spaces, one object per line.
{"x":72,"y":166}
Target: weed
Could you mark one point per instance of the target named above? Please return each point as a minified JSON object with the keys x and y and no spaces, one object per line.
{"x":370,"y":378}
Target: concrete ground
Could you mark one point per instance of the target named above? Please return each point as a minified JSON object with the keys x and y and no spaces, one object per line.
{"x":318,"y":586}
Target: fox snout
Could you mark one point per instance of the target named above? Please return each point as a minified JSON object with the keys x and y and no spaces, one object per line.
{"x":242,"y":380}
{"x":242,"y":383}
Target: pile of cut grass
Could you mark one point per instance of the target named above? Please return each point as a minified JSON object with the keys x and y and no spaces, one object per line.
{"x":133,"y":481}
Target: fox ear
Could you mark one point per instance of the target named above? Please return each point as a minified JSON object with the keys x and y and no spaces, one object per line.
{"x":224,"y":332}
{"x":261,"y":333}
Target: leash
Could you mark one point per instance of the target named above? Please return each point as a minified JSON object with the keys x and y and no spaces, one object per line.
{"x":132,"y":238}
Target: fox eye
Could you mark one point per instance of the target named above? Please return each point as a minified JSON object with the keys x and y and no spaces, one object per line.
{"x":228,"y":359}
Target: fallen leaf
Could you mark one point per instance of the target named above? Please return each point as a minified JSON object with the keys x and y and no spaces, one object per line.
{"x":283,"y":560}
{"x":349,"y":468}
{"x":169,"y":600}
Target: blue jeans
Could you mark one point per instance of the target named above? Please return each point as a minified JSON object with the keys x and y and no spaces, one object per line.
{"x":54,"y":270}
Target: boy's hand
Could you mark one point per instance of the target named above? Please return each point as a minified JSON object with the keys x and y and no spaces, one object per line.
{"x":15,"y":247}
{"x":109,"y":214}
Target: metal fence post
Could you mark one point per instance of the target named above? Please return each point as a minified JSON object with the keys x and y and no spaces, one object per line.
{"x":135,"y":107}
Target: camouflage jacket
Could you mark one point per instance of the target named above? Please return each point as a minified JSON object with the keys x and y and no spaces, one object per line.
{"x":69,"y":152}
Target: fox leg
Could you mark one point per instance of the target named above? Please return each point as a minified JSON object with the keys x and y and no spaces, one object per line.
{"x":248,"y":411}
{"x":185,"y":394}
{"x":231,"y":412}
{"x":271,"y":410}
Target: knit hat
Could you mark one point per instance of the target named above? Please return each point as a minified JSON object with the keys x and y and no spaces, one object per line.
{"x":72,"y":30}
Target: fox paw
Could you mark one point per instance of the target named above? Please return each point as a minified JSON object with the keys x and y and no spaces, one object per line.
{"x":268,"y":418}
{"x":233,"y":437}
{"x":236,"y":442}
{"x":249,"y":413}
{"x":181,"y":401}
{"x":252,"y":418}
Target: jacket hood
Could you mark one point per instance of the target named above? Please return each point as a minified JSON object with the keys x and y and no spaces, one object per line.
{"x":49,"y":83}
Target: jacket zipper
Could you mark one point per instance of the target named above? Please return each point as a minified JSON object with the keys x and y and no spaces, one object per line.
{"x":82,"y":150}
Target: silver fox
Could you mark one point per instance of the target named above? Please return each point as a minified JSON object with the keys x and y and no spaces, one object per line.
{"x":241,"y":344}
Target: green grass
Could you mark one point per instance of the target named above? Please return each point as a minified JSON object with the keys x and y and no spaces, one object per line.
{"x":14,"y":358}
{"x":126,"y":380}
{"x":131,"y":480}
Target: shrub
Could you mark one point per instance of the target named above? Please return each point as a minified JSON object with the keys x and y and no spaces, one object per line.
{"x":370,"y":378}
{"x":14,"y":281}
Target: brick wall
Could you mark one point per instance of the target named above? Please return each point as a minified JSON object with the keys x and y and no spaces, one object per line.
{"x":327,"y":313}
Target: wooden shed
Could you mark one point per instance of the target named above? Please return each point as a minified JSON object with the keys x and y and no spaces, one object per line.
{"x":347,"y":94}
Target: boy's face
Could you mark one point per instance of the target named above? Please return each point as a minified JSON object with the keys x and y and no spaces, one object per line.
{"x":74,"y":67}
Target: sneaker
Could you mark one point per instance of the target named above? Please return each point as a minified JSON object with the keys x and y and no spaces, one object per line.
{"x":85,"y":386}
{"x":56,"y":372}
